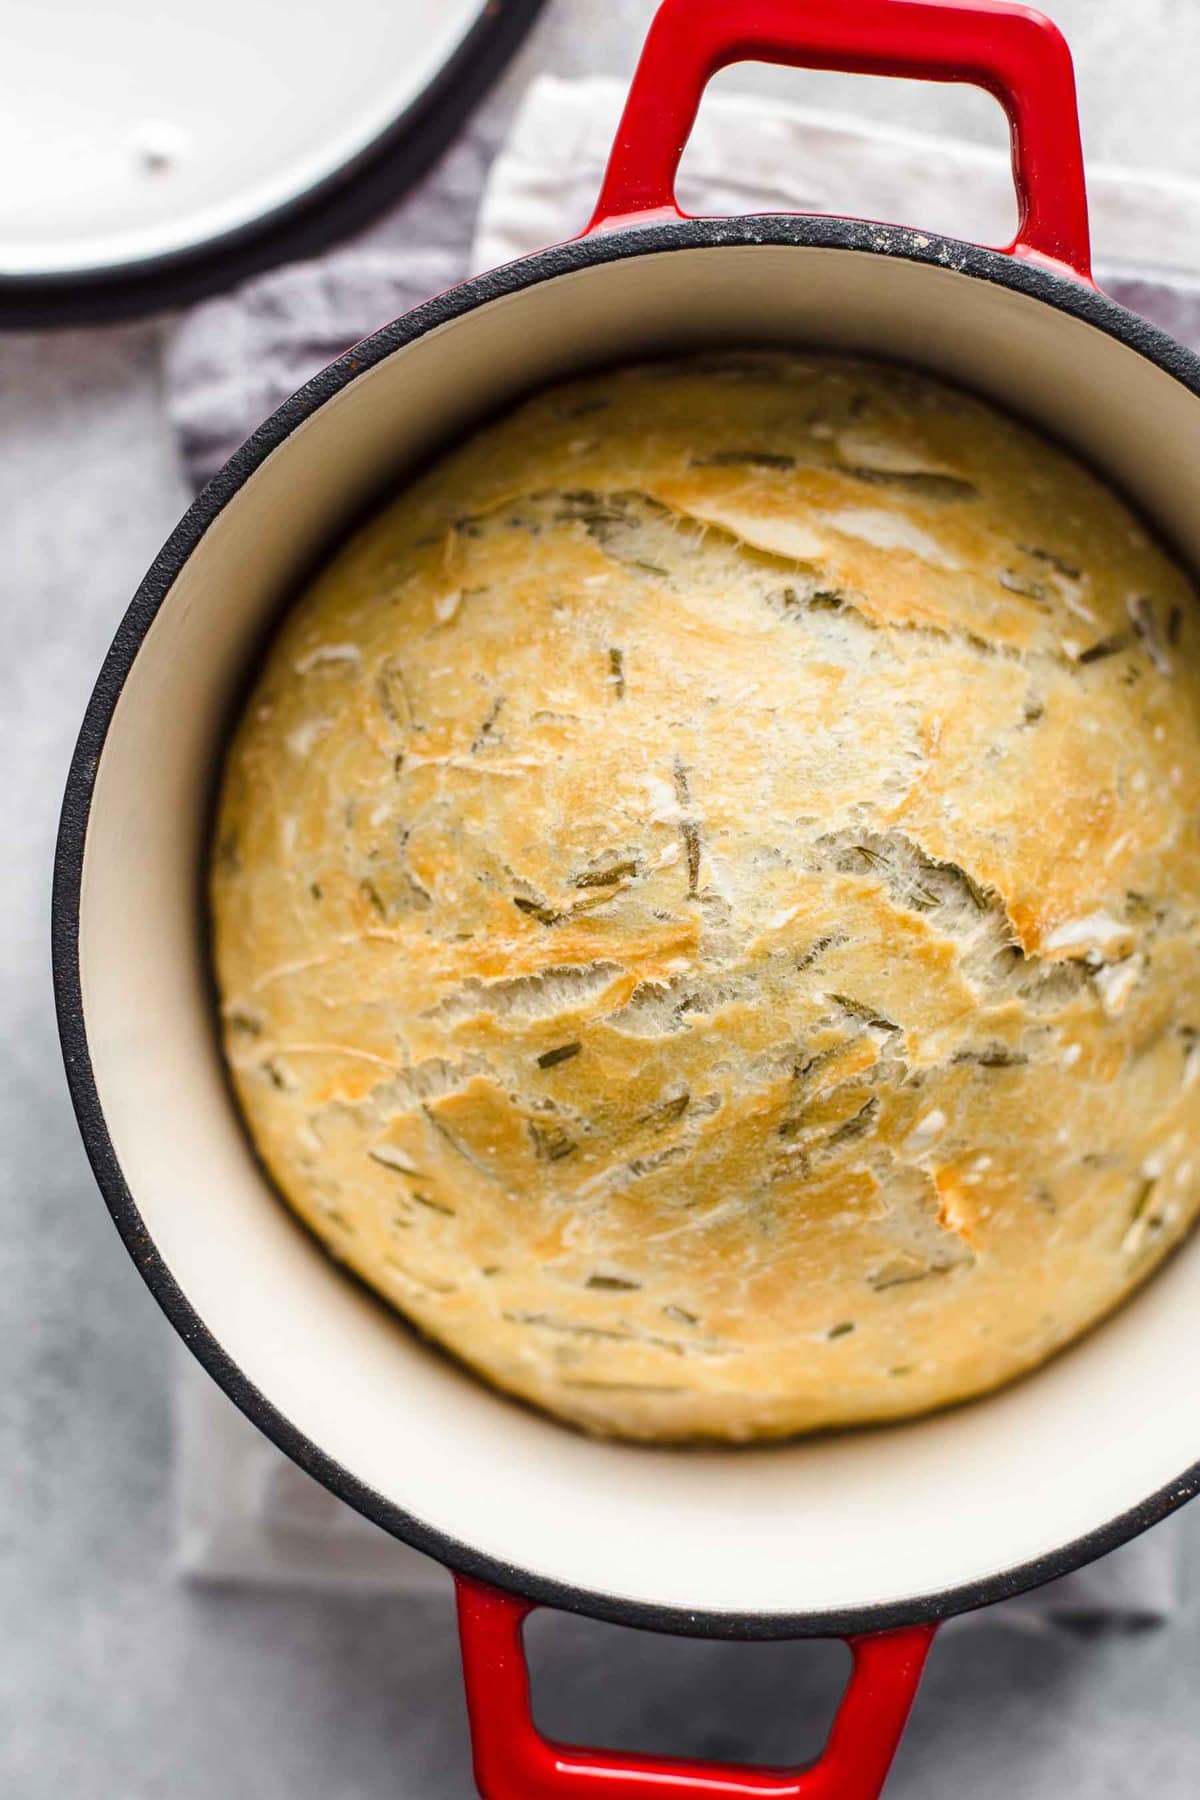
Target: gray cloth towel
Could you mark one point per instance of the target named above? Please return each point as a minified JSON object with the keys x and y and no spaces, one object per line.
{"x":244,"y":1513}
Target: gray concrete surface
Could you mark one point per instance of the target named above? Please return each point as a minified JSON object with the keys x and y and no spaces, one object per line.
{"x":118,"y":1683}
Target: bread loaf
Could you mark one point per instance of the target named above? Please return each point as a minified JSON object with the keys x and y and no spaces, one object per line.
{"x":706,"y":899}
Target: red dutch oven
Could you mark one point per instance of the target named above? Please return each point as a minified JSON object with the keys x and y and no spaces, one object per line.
{"x":872,"y":1535}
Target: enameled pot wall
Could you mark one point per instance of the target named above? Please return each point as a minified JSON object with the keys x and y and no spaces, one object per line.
{"x":884,"y":1529}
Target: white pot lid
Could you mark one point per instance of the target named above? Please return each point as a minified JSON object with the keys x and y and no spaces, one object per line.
{"x":144,"y":137}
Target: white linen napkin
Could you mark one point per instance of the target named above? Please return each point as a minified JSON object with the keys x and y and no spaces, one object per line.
{"x":244,"y":1512}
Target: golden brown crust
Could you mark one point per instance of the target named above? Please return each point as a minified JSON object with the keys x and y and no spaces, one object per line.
{"x":706,"y":899}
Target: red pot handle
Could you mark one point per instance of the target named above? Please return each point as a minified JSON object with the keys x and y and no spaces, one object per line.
{"x":513,"y":1761}
{"x":1014,"y":52}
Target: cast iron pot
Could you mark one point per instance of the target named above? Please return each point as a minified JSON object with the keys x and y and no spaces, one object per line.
{"x":873,"y":1535}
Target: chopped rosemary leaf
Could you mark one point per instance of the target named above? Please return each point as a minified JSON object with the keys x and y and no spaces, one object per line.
{"x":667,"y":1111}
{"x":549,"y":1059}
{"x":612,"y":1284}
{"x":1142,"y":1198}
{"x":1016,"y":583}
{"x":395,"y":697}
{"x":591,"y":510}
{"x":802,"y":1070}
{"x":843,"y":1329}
{"x":488,"y":724}
{"x":755,"y":459}
{"x":432,"y":1205}
{"x":691,"y":843}
{"x":978,"y":897}
{"x":869,"y":856}
{"x":569,"y":1328}
{"x":616,"y":671}
{"x":646,"y":1165}
{"x":1141,"y":612}
{"x":856,"y":1126}
{"x":919,"y":482}
{"x":389,"y":1157}
{"x":902,"y":1278}
{"x":860,"y":1009}
{"x":1109,"y":646}
{"x":992,"y":1056}
{"x":537,"y":909}
{"x":818,"y":948}
{"x":550,"y":1142}
{"x":594,"y":878}
{"x":598,"y":897}
{"x":1048,"y":556}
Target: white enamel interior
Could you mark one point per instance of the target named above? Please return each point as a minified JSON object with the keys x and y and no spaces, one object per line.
{"x":842,"y":1522}
{"x":136,"y":128}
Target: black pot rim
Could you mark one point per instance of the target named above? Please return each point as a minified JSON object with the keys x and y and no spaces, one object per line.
{"x":1041,"y":285}
{"x":339,"y":203}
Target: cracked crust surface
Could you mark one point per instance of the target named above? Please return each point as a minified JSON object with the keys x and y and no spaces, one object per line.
{"x":707,"y":899}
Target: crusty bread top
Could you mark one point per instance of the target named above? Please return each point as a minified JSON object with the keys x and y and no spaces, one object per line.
{"x":706,"y":898}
